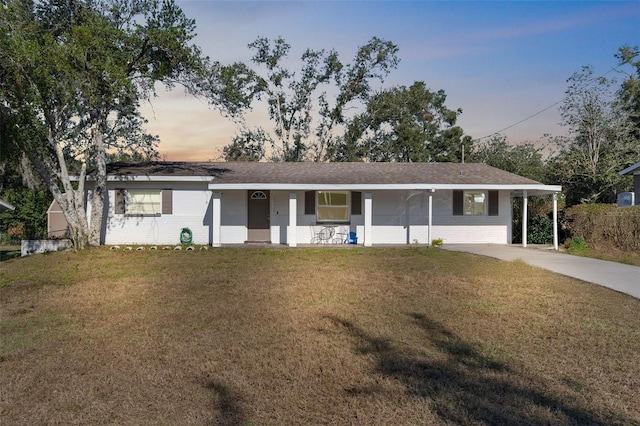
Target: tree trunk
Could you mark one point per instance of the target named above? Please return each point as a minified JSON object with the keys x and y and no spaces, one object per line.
{"x":78,"y":226}
{"x":53,"y":171}
{"x":100,"y":188}
{"x":72,"y":206}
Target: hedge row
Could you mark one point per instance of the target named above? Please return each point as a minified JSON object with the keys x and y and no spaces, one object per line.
{"x":604,"y":224}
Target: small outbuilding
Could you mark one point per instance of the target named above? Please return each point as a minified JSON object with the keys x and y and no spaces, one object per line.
{"x":635,"y":171}
{"x":4,"y":206}
{"x":57,"y":226}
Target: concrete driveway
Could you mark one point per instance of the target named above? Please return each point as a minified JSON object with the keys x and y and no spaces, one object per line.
{"x":617,"y":276}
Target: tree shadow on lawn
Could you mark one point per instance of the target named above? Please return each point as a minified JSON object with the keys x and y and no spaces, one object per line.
{"x":228,"y":403}
{"x":467,"y":386}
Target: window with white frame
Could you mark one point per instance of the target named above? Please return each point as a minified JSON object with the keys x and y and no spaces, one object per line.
{"x":333,"y":206}
{"x":475,"y":203}
{"x":144,"y":201}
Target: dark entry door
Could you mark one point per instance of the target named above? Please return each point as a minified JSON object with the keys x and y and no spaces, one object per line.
{"x":258,"y":220}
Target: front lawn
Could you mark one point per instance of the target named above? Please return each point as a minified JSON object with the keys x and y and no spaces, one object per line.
{"x":310,"y":336}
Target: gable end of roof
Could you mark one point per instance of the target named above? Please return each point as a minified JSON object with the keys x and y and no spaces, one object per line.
{"x":630,"y":169}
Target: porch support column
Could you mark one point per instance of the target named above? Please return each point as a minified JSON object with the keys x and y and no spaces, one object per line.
{"x":368,"y":204}
{"x":525,"y":219}
{"x":429,"y":233}
{"x":216,"y":201}
{"x":293,"y":220}
{"x":555,"y":221}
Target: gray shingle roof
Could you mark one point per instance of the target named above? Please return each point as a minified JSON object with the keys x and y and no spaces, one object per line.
{"x":327,"y":173}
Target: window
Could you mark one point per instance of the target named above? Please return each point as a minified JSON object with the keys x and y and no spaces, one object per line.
{"x":474,"y":203}
{"x":144,"y":201}
{"x":333,"y":206}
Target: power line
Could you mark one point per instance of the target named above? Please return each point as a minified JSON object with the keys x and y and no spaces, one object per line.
{"x":545,"y":109}
{"x":523,"y":120}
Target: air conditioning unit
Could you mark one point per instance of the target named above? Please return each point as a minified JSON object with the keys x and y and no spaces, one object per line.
{"x":626,"y":199}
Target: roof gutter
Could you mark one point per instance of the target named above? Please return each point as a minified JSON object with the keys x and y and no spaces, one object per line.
{"x":146,"y":178}
{"x":382,"y":187}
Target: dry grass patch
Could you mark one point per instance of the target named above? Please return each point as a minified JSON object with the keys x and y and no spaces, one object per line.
{"x":609,"y":252}
{"x":310,"y":336}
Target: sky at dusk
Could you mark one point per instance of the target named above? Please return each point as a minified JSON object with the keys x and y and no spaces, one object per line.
{"x":500,"y":62}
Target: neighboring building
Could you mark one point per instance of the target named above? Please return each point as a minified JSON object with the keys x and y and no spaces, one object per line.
{"x":4,"y":206}
{"x":635,"y":171}
{"x":294,"y":203}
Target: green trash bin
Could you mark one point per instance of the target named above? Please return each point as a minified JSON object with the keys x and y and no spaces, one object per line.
{"x":186,"y":236}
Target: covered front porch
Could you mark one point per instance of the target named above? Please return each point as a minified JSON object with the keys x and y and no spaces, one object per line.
{"x":525,"y":195}
{"x":368,"y":217}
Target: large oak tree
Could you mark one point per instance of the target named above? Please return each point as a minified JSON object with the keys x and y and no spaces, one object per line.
{"x":404,"y":124}
{"x":72,"y":76}
{"x":308,"y":106}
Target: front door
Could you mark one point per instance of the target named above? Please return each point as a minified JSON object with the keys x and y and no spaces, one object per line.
{"x":258,"y":220}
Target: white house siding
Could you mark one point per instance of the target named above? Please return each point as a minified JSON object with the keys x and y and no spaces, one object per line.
{"x":470,"y":229}
{"x":305,"y":223}
{"x":400,"y":217}
{"x":280,"y":218}
{"x":234,"y":218}
{"x":191,"y":209}
{"x":233,"y":221}
{"x":485,"y":234}
{"x":279,"y":215}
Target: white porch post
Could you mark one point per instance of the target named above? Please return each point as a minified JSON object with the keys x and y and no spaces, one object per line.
{"x":429,"y":233}
{"x":368,"y":204}
{"x":293,"y":220}
{"x":216,"y":199}
{"x":525,"y":200}
{"x":555,"y":221}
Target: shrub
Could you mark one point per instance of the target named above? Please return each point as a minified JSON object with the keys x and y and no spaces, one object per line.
{"x":604,"y":224}
{"x":29,"y":219}
{"x":576,"y":245}
{"x":540,"y":220}
{"x":540,"y":230}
